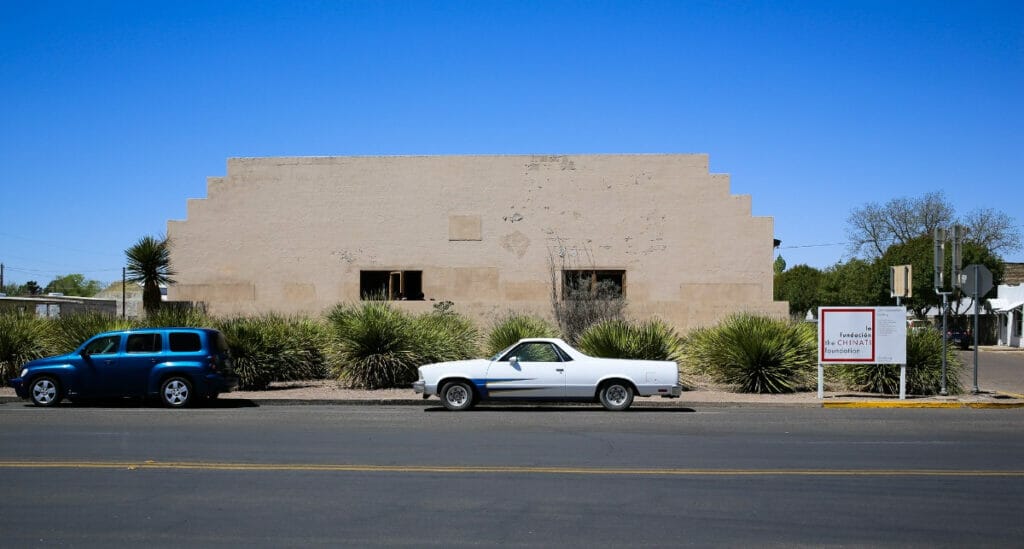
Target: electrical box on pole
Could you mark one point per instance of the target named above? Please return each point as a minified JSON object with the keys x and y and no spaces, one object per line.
{"x":957,"y":259}
{"x":901,"y":281}
{"x":940,"y":257}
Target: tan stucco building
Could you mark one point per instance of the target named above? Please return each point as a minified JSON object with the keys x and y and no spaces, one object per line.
{"x":489,"y":233}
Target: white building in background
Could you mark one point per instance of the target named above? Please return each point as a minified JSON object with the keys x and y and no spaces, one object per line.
{"x":1008,"y":306}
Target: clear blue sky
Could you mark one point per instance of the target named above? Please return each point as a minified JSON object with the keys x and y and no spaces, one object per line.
{"x":112,"y":114}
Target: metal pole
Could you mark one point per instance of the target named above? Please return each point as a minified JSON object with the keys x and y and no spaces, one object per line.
{"x":903,"y":381}
{"x":821,"y":381}
{"x":124,"y":292}
{"x":944,"y":338}
{"x":977,"y":298}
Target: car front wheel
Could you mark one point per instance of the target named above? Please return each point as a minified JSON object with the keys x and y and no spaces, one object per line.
{"x":616,"y":396}
{"x":45,"y":391}
{"x":176,"y":392}
{"x":457,"y":396}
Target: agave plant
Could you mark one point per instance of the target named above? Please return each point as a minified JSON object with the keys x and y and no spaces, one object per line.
{"x":757,"y":354}
{"x":516,"y":326}
{"x":23,"y":337}
{"x":649,"y":340}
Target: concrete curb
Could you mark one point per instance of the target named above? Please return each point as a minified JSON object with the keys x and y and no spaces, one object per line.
{"x":887,"y":404}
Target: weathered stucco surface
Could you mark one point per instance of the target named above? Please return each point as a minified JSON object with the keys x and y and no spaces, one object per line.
{"x":292,"y":234}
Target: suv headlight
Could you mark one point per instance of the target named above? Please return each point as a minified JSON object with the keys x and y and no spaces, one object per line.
{"x":24,"y":372}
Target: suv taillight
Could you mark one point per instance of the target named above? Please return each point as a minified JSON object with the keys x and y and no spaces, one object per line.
{"x":213,"y":362}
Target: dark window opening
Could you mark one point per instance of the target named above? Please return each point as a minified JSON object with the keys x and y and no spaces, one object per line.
{"x":596,"y":284}
{"x":143,"y":343}
{"x":185,"y":342}
{"x":391,"y":285}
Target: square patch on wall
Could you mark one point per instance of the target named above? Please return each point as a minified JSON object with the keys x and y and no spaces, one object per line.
{"x":465,"y":227}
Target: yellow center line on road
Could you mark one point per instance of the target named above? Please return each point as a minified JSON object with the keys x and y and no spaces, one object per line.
{"x":343,"y":468}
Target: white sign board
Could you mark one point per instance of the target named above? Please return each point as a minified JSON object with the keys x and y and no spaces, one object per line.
{"x":862,"y":335}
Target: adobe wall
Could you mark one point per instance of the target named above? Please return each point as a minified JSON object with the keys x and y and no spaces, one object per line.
{"x":292,"y":234}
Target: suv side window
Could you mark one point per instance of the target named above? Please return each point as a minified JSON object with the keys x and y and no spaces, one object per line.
{"x":107,"y":345}
{"x":143,"y":343}
{"x":185,"y":342}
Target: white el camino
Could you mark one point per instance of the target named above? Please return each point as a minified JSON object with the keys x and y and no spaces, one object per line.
{"x":547,"y":369}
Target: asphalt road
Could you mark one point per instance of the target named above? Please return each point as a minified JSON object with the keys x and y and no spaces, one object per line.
{"x":580,"y":477}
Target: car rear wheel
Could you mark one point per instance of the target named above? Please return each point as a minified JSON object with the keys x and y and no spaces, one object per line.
{"x":176,"y":392}
{"x":457,"y":396}
{"x":45,"y":391}
{"x":616,"y":395}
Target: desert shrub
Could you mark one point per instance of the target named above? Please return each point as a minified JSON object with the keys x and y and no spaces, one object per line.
{"x":381,"y":347}
{"x":272,"y":347}
{"x":649,"y":340}
{"x":70,"y":331}
{"x":756,"y":354}
{"x":581,"y":306}
{"x":175,"y":315}
{"x":924,"y":369}
{"x":445,"y":335}
{"x":23,"y":337}
{"x":515,"y":326}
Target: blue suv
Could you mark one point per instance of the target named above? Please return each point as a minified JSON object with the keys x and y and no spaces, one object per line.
{"x":177,"y":365}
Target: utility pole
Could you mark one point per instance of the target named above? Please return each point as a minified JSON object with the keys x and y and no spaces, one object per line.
{"x":1,"y":277}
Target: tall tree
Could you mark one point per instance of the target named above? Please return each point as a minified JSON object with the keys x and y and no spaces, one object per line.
{"x":74,"y":284}
{"x":798,"y":286}
{"x":856,"y":282}
{"x":873,"y":227}
{"x":149,"y":262}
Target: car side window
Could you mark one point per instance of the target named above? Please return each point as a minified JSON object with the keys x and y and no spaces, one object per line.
{"x":536,"y":352}
{"x":185,"y":342}
{"x":143,"y":343}
{"x":106,"y":345}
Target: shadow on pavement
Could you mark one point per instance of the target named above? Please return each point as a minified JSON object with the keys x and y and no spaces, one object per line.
{"x":124,"y":403}
{"x":529,"y":409}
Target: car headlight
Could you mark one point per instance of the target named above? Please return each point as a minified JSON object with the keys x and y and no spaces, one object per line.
{"x":24,"y":372}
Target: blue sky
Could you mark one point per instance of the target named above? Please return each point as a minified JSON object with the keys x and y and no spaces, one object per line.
{"x":112,"y":114}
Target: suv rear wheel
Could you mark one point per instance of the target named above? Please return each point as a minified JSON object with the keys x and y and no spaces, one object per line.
{"x":176,"y":392}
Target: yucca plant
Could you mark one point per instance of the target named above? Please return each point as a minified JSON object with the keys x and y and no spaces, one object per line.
{"x":272,"y":347}
{"x":23,"y":337}
{"x":924,"y":369}
{"x":756,"y":354}
{"x":515,"y":326}
{"x":380,"y":347}
{"x":649,"y":340}
{"x":70,"y":331}
{"x":376,"y":344}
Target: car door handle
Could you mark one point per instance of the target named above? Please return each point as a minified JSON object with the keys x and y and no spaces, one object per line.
{"x":559,"y":369}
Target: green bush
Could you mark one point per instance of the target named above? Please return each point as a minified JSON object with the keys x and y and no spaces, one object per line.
{"x":756,"y":354}
{"x":381,"y":347}
{"x":649,"y":340}
{"x":23,"y":337}
{"x":924,"y":369}
{"x":272,"y":347}
{"x":514,"y":327}
{"x":70,"y":331}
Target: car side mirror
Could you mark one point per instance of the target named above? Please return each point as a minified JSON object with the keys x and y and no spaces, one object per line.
{"x":514,"y":361}
{"x":84,"y":353}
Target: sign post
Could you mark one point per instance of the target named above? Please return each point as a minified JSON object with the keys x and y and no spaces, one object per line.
{"x":862,"y":335}
{"x":977,"y":283}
